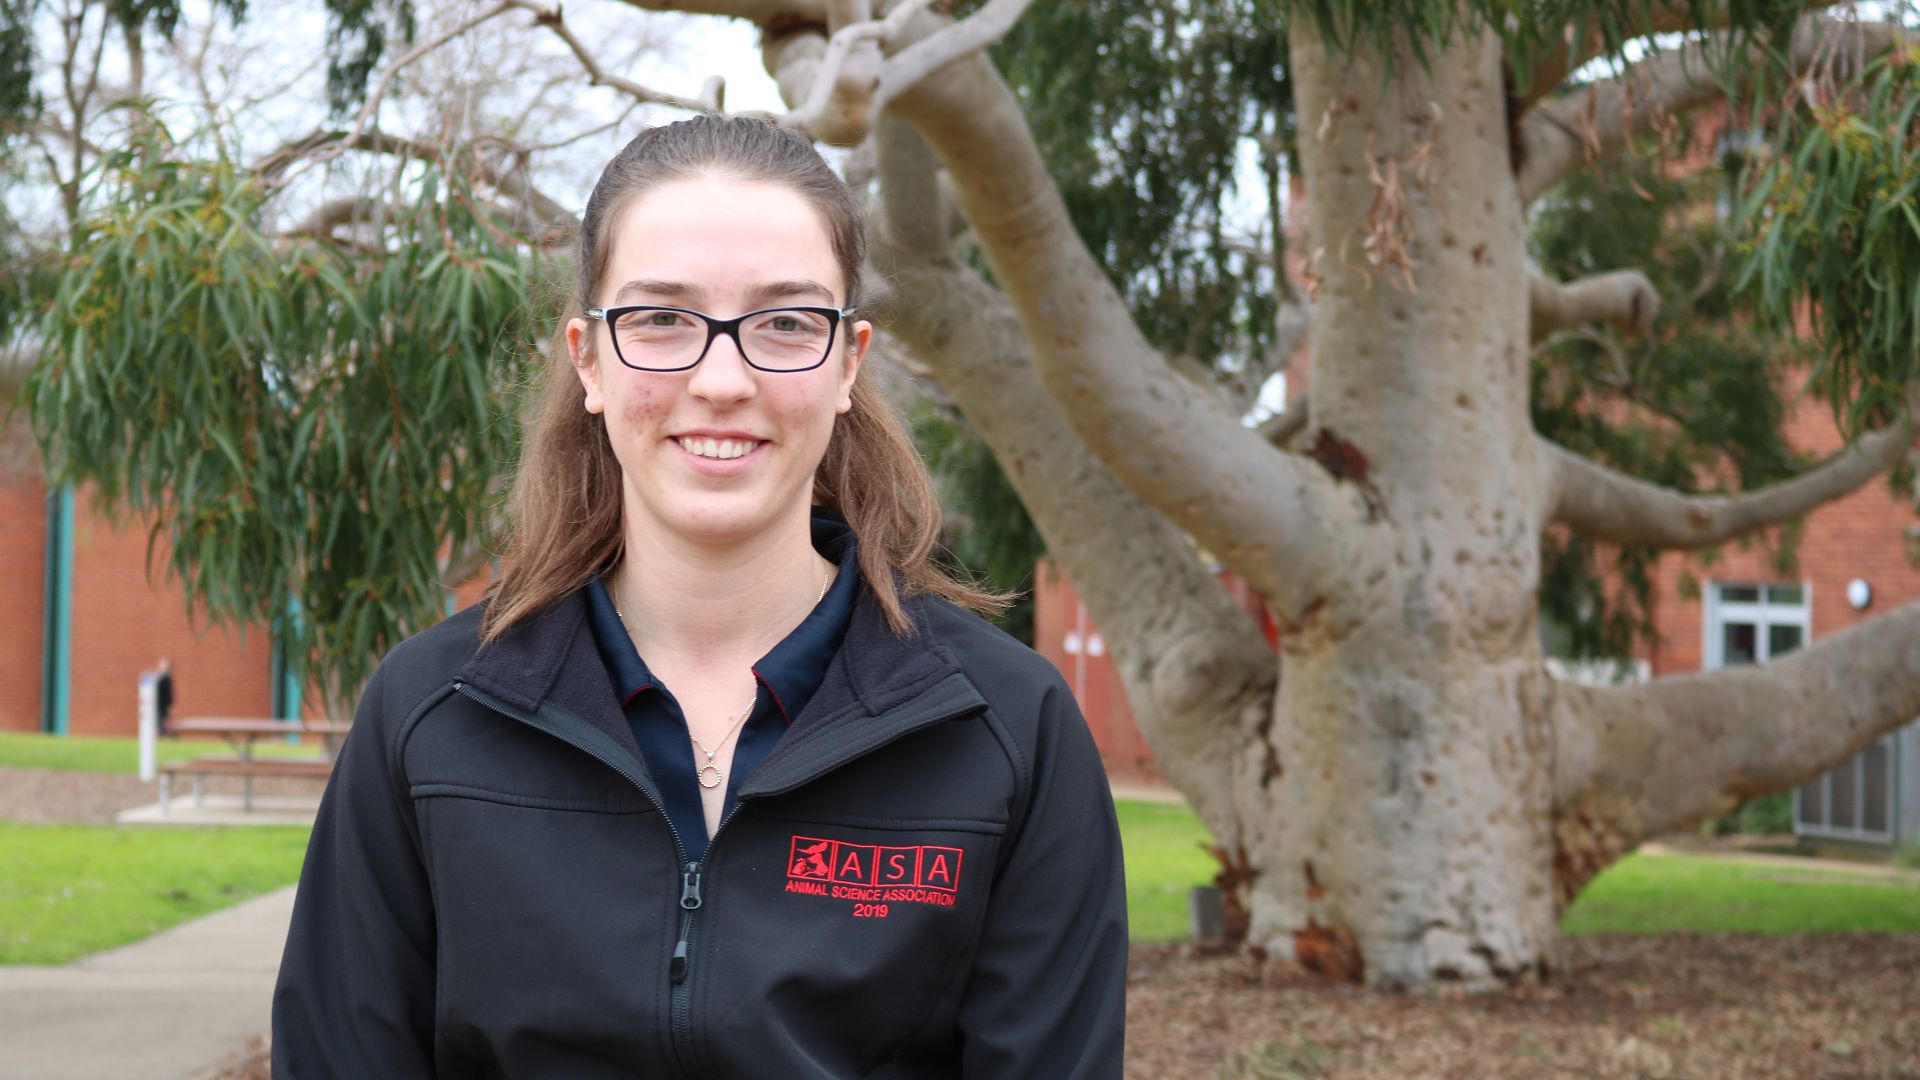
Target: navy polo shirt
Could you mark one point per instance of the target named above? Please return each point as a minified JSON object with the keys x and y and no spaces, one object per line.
{"x":787,"y":677}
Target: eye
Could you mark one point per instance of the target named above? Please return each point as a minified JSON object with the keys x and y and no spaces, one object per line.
{"x":785,"y":324}
{"x":665,"y":318}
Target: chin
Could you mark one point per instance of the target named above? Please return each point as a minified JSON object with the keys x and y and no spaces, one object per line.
{"x":719,"y":521}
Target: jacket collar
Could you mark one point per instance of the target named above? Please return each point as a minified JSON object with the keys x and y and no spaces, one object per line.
{"x":548,"y":664}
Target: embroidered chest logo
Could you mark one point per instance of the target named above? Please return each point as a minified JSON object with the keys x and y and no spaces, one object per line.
{"x":873,"y":875}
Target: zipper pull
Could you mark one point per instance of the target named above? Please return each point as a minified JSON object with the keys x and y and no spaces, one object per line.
{"x":677,"y":971}
{"x":690,"y":887}
{"x":689,"y":900}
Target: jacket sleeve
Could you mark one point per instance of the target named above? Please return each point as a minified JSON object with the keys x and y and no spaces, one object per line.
{"x":1047,"y":993}
{"x":355,"y":996}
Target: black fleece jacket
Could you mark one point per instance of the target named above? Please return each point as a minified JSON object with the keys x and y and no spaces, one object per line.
{"x":923,"y":879}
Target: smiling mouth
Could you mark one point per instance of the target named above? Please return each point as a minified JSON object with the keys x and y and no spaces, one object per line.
{"x":717,"y":449}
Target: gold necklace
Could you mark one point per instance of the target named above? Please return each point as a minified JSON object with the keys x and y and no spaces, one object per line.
{"x":718,"y":776}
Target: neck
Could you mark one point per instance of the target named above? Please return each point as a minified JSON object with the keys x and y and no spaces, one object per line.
{"x":721,"y":603}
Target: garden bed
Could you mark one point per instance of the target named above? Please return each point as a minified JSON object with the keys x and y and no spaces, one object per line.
{"x":1682,"y":1005}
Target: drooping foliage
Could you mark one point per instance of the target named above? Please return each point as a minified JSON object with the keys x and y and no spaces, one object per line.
{"x":1831,"y":201}
{"x":311,"y":426}
{"x":357,"y":41}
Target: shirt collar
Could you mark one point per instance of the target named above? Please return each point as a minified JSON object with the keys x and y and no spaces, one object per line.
{"x":793,"y":669}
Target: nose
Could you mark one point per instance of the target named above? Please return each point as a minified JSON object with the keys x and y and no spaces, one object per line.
{"x":723,"y":376}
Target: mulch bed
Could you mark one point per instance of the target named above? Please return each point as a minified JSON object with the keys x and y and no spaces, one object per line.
{"x":43,"y":795}
{"x":1664,"y":1007}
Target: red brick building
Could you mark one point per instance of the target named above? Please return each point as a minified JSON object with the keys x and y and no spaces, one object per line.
{"x":80,"y":619}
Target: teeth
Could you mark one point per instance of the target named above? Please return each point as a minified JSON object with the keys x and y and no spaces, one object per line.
{"x":721,"y":449}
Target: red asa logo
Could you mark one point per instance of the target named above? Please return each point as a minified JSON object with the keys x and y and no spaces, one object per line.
{"x":921,"y":873}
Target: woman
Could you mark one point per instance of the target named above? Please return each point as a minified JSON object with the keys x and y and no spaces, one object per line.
{"x":720,"y":782}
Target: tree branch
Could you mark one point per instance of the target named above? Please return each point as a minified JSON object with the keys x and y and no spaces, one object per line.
{"x":1194,"y":663}
{"x":1624,"y":299}
{"x":1607,"y":505}
{"x":512,"y":183}
{"x":380,"y":85}
{"x":968,"y":37}
{"x":1283,"y":427}
{"x":711,"y":93}
{"x":1284,"y":524}
{"x":333,"y":213}
{"x":1567,"y":134}
{"x":1584,"y":42}
{"x":1634,"y":761}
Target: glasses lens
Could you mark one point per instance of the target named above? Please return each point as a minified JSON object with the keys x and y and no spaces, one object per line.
{"x":658,"y":339}
{"x":786,"y":339}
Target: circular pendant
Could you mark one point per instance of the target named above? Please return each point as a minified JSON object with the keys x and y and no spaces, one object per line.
{"x":715,"y":770}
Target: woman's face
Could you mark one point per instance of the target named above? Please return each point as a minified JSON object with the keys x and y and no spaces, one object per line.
{"x":723,"y":247}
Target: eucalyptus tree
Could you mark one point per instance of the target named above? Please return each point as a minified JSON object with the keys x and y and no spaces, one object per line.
{"x":1404,"y":794}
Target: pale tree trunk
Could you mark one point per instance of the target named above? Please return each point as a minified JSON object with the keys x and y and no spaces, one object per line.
{"x":1410,"y":838}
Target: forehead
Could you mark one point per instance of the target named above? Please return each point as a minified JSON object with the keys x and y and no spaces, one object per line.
{"x":720,"y":236}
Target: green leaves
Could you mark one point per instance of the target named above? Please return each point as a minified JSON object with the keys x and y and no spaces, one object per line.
{"x":1835,"y":239}
{"x":308,"y":424}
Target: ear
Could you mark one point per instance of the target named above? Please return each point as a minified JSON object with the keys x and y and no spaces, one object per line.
{"x":859,"y":340}
{"x":580,"y":351}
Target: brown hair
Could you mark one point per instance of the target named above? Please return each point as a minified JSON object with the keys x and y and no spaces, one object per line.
{"x":565,"y":504}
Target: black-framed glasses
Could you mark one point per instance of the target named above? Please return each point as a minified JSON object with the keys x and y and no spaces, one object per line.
{"x":653,"y":338}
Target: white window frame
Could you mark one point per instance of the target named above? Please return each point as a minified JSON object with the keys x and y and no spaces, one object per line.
{"x":1762,"y":615}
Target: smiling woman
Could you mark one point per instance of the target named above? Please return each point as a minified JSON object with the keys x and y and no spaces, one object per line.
{"x":726,"y":779}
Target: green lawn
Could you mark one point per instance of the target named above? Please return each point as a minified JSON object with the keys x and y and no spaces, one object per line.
{"x":1651,"y":894}
{"x":1641,"y":894}
{"x":77,"y":754}
{"x":70,"y":890}
{"x":1165,"y":860}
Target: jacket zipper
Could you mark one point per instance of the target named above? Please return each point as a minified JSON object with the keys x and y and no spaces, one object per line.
{"x":680,"y":969}
{"x":690,"y":900}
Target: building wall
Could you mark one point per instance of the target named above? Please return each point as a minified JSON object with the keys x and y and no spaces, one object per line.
{"x":1863,"y":535}
{"x":124,"y":622}
{"x":1064,"y":633}
{"x":23,"y":545}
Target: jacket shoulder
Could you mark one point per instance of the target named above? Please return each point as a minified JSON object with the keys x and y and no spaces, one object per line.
{"x":429,"y":659}
{"x":1004,"y":668}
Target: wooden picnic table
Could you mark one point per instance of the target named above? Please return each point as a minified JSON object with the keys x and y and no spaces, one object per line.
{"x":241,"y":733}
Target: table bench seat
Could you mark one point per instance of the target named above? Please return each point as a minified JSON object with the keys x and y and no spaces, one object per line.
{"x":202,"y":767}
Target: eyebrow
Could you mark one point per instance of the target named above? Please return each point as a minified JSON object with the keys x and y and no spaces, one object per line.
{"x":756,"y":296}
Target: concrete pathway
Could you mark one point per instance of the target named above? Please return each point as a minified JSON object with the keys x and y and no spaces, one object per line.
{"x":168,"y":1008}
